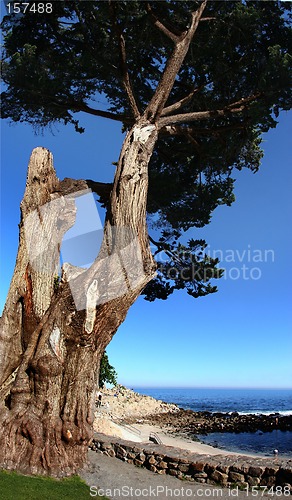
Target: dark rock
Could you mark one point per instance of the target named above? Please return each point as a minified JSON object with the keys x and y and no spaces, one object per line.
{"x":236,"y":477}
{"x":209,"y":468}
{"x":200,"y":475}
{"x":255,"y":471}
{"x":192,"y":423}
{"x":284,"y":476}
{"x":137,"y":450}
{"x":223,"y":468}
{"x":106,"y":446}
{"x":271,"y":471}
{"x":137,"y":462}
{"x":268,"y":481}
{"x":184,"y":467}
{"x":120,"y":451}
{"x":253,"y":481}
{"x":219,"y":477}
{"x":198,"y":466}
{"x":162,"y":465}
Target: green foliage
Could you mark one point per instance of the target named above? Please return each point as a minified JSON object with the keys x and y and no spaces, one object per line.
{"x":182,"y":267}
{"x":13,"y":485}
{"x":61,"y":63}
{"x":56,"y":61}
{"x":57,"y":280}
{"x":107,"y":373}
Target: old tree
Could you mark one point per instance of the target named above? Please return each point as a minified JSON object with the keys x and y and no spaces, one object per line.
{"x":194,"y":85}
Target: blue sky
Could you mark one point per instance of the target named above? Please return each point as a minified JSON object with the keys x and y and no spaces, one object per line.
{"x":238,"y":337}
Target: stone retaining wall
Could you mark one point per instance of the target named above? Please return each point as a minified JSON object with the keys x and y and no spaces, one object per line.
{"x":229,"y":470}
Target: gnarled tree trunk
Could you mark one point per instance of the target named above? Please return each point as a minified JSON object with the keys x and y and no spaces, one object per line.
{"x":53,"y":334}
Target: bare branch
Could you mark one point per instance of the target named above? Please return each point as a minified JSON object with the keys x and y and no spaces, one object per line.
{"x":173,"y":65}
{"x":102,"y":189}
{"x":64,"y":22}
{"x":235,"y":107}
{"x":160,"y":25}
{"x":81,"y":106}
{"x":75,"y":106}
{"x":123,"y":62}
{"x":180,"y":104}
{"x":70,"y":186}
{"x":198,"y":115}
{"x":162,"y":246}
{"x":245,"y":100}
{"x":175,"y":130}
{"x":207,"y":19}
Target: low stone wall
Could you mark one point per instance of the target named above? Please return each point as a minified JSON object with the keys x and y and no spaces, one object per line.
{"x":224,"y":470}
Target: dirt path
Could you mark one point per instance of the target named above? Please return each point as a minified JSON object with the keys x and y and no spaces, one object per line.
{"x":117,"y":480}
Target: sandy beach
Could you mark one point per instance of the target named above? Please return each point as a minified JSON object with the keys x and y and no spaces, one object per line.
{"x":181,"y":442}
{"x":121,"y":405}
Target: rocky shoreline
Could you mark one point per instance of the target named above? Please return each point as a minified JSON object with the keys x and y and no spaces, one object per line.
{"x":191,"y":423}
{"x":124,"y":406}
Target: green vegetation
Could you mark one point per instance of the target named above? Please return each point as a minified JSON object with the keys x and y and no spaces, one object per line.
{"x":107,"y":373}
{"x":57,"y":280}
{"x":232,"y":80}
{"x":16,"y":486}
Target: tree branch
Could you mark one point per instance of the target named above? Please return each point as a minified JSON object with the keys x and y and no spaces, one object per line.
{"x":81,"y":106}
{"x":207,"y":19}
{"x":123,"y":62}
{"x":102,"y":189}
{"x":235,"y":107}
{"x":70,"y":186}
{"x":157,"y":244}
{"x":160,"y":25}
{"x":186,"y":99}
{"x":162,"y":246}
{"x":180,"y":104}
{"x":76,"y":106}
{"x":173,"y":65}
{"x":175,"y":130}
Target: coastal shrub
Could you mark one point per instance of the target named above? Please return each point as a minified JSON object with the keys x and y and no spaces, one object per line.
{"x":107,"y":373}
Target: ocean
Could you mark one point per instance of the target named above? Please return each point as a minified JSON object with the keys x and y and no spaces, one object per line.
{"x":243,"y":401}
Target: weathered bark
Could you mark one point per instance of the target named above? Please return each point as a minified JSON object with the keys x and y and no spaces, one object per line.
{"x":53,"y":335}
